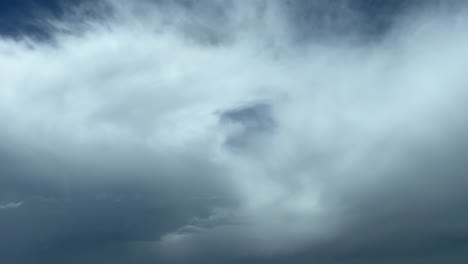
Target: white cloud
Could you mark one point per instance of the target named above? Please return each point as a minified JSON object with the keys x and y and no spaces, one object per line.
{"x":346,"y":116}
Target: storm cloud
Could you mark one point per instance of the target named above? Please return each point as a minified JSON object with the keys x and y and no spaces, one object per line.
{"x":233,"y":132}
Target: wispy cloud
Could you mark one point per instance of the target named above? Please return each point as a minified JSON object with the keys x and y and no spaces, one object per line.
{"x":10,"y":205}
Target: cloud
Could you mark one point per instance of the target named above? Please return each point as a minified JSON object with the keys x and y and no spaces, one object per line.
{"x":10,"y":205}
{"x":230,"y":131}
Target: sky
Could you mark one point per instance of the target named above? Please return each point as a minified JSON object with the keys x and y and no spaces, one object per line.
{"x":223,"y":131}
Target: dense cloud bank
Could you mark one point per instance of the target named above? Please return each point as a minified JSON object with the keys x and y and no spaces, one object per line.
{"x":234,"y":131}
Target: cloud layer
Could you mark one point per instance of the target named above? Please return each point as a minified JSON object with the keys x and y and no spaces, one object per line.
{"x":258,"y":132}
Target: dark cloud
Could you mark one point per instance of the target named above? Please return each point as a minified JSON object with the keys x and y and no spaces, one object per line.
{"x":37,"y":19}
{"x":205,"y":21}
{"x":255,"y":122}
